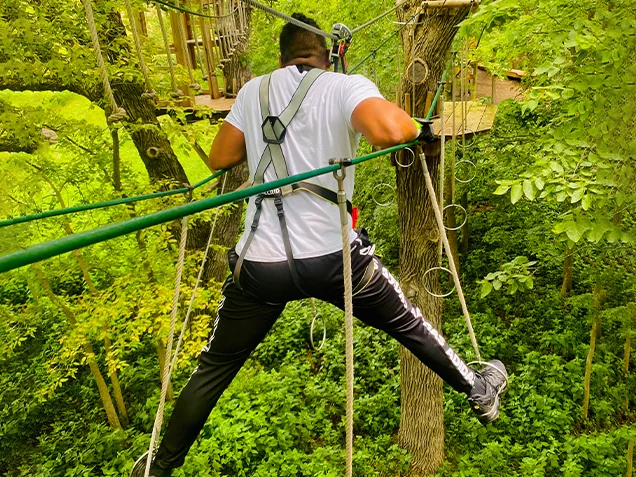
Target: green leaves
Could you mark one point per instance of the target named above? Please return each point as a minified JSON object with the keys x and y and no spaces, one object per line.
{"x":513,"y":276}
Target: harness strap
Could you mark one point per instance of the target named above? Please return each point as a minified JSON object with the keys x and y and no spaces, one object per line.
{"x":322,"y":192}
{"x":275,"y":128}
{"x":278,"y":202}
{"x":250,"y":237}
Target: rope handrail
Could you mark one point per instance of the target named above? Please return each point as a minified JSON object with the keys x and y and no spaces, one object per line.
{"x":108,"y":203}
{"x":52,"y":248}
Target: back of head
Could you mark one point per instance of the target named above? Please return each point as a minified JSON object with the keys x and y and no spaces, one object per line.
{"x":298,"y":43}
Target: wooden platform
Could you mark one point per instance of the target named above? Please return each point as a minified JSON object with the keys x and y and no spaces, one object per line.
{"x":479,"y":118}
{"x":221,"y":105}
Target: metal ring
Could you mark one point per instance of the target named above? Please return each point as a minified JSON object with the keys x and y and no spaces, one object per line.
{"x":324,"y":332}
{"x":470,"y":179}
{"x":438,"y":295}
{"x":410,"y":163}
{"x":373,"y":194}
{"x":465,"y":216}
{"x":153,"y":152}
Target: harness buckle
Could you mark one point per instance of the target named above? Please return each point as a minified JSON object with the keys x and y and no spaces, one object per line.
{"x":274,"y":130}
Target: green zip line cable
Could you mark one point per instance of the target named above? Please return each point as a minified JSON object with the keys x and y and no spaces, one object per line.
{"x":52,"y":248}
{"x":100,"y":205}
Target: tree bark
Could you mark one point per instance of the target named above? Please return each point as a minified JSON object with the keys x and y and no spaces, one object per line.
{"x":227,"y":228}
{"x":598,"y":299}
{"x":421,"y":423}
{"x":568,"y":271}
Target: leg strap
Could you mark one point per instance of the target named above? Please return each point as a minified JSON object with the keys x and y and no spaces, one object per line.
{"x":257,"y":217}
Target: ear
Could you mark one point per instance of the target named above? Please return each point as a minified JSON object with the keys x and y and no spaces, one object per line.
{"x":326,"y":59}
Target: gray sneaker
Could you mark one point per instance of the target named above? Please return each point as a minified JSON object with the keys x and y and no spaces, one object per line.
{"x":139,"y":469}
{"x":490,"y":384}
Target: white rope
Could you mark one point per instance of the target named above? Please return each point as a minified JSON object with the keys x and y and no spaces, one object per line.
{"x":150,"y":92}
{"x":116,"y":113}
{"x":449,"y":254}
{"x":348,"y":302}
{"x":442,"y":162}
{"x":156,"y":429}
{"x":196,"y":284}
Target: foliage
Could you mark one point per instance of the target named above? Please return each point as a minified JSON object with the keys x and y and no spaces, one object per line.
{"x":565,"y":156}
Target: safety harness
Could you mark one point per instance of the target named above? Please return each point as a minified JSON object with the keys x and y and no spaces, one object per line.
{"x":274,"y":131}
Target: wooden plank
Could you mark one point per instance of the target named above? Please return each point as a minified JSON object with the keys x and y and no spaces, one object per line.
{"x":220,"y":104}
{"x":479,"y":118}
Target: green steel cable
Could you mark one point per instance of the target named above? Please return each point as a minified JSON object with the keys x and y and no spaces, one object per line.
{"x":52,"y":248}
{"x":442,"y":82}
{"x":100,"y":205}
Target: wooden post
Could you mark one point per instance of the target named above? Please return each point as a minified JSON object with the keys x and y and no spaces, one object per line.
{"x":494,"y":89}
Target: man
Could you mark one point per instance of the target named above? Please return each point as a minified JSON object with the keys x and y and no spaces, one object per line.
{"x":289,"y":122}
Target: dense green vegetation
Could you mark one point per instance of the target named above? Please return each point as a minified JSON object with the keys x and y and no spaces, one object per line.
{"x":555,"y":185}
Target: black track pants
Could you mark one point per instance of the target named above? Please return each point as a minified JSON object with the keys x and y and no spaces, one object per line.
{"x":246,"y":315}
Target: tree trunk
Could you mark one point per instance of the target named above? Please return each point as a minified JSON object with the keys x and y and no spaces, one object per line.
{"x":107,"y":403}
{"x":114,"y":379}
{"x":630,"y":458}
{"x":568,"y":271}
{"x":421,"y":423}
{"x":598,"y":299}
{"x":227,"y":228}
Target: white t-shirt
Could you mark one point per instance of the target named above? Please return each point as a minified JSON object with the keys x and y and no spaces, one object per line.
{"x":320,"y":130}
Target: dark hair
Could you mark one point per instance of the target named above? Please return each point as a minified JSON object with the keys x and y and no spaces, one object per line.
{"x":296,"y":42}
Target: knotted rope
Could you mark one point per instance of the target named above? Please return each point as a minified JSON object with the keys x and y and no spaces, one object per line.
{"x":116,"y":113}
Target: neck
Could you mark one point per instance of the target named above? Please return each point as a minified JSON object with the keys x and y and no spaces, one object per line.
{"x":311,"y":62}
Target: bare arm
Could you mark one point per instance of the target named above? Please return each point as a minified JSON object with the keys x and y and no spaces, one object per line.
{"x":228,"y":148}
{"x":383,"y":123}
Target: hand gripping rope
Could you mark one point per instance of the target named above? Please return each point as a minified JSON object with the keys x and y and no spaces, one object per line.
{"x":340,"y":175}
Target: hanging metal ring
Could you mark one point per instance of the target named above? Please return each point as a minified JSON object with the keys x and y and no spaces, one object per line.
{"x":410,"y":163}
{"x":374,"y":194}
{"x":465,"y":216}
{"x":439,"y":295}
{"x":469,"y":163}
{"x":324,"y":332}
